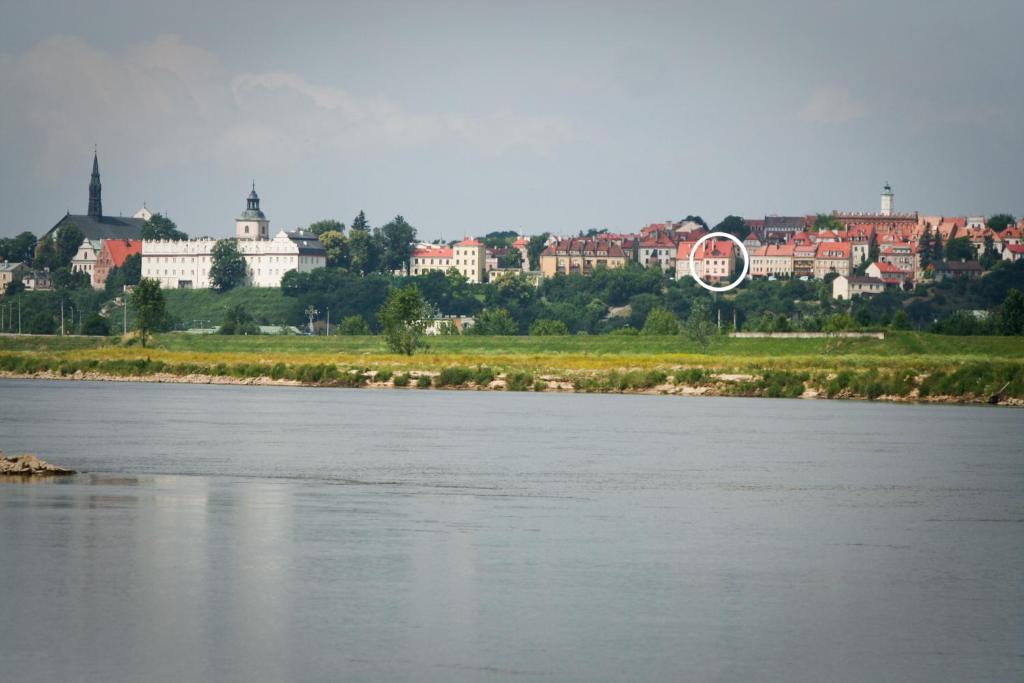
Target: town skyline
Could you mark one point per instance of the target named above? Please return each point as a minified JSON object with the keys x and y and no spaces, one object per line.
{"x":531,"y":117}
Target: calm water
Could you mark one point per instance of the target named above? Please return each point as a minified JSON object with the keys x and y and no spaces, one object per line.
{"x":271,"y":534}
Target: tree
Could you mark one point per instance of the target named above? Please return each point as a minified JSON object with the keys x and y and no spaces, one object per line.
{"x":160,"y":227}
{"x":360,"y":223}
{"x":148,"y":301}
{"x":364,"y":251}
{"x":227,"y":265}
{"x":959,"y":248}
{"x":696,"y":219}
{"x":937,"y":248}
{"x":699,"y":327}
{"x":548,"y":328}
{"x":661,"y":321}
{"x":69,"y":239}
{"x":337,"y":249}
{"x":989,"y":257}
{"x":19,"y":249}
{"x":900,"y":320}
{"x":499,"y":238}
{"x":354,"y":325}
{"x":128,"y":273}
{"x":326,"y":225}
{"x":925,"y":246}
{"x":237,"y":320}
{"x":734,"y":225}
{"x":512,"y":259}
{"x":398,"y":237}
{"x":65,"y":278}
{"x":1011,"y":314}
{"x":494,"y":322}
{"x":403,"y":318}
{"x":823,"y":221}
{"x":536,"y":245}
{"x":96,"y":325}
{"x":1001,"y":221}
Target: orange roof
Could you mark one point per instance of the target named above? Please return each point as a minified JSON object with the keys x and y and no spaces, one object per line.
{"x":432,"y":252}
{"x":119,"y":250}
{"x":469,"y":242}
{"x":828,"y":250}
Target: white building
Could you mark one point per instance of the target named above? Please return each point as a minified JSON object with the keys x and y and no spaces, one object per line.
{"x":186,"y":264}
{"x":468,"y":257}
{"x":887,"y":200}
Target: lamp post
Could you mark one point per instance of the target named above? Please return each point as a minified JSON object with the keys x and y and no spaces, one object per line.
{"x":311,"y":313}
{"x":328,"y":321}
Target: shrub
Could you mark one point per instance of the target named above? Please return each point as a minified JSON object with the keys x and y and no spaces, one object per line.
{"x":661,"y":321}
{"x":483,"y":376}
{"x":424,"y":382}
{"x":548,"y":328}
{"x":691,"y":376}
{"x":278,"y":371}
{"x":540,"y":385}
{"x":383,"y":375}
{"x":454,"y":376}
{"x":518,"y":381}
{"x":402,"y":380}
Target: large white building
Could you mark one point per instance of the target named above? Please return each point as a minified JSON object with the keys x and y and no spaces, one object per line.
{"x":468,"y":257}
{"x":186,"y":264}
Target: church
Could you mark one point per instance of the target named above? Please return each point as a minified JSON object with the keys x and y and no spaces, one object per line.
{"x":185,"y":264}
{"x":93,"y":224}
{"x":97,"y":228}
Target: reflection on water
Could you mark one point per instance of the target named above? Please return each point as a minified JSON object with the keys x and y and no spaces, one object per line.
{"x":266,"y":534}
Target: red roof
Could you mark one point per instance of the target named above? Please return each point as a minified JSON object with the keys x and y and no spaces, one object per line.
{"x":469,"y":242}
{"x":1015,"y":248}
{"x":432,"y":252}
{"x":885,"y":267}
{"x":830,"y":250}
{"x":119,"y":250}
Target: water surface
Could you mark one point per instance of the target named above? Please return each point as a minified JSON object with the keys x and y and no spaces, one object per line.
{"x":276,"y":533}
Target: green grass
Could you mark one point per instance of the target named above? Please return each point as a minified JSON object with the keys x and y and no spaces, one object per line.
{"x":206,"y":308}
{"x":903,"y":364}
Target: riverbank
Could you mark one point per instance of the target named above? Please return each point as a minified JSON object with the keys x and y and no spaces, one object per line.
{"x":770,"y":385}
{"x":901,"y":367}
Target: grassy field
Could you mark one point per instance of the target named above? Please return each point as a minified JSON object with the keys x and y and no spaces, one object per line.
{"x":903,"y":364}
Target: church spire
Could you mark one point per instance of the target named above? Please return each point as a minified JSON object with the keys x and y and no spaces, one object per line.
{"x":95,"y":189}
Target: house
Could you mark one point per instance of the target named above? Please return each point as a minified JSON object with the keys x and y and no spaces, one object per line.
{"x":833,"y":257}
{"x":9,"y":272}
{"x":944,"y":270}
{"x":469,"y":258}
{"x":714,"y":261}
{"x":37,"y":280}
{"x":772,"y":260}
{"x":428,"y":257}
{"x":1013,"y":252}
{"x":803,"y":260}
{"x":658,"y":249}
{"x":848,"y":286}
{"x":111,"y":255}
{"x":903,"y":255}
{"x":889,"y":273}
{"x":581,"y":255}
{"x":522,"y":245}
{"x":781,"y":228}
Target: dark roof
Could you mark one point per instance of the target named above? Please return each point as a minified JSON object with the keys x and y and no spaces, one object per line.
{"x":102,"y":228}
{"x":864,"y":280}
{"x":784,"y":223}
{"x":307,"y":242}
{"x":961,"y":266}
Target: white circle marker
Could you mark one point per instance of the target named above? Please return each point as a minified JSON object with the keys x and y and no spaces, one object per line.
{"x":746,"y":262}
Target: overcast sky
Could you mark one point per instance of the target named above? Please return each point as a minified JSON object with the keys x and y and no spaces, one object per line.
{"x":471,"y":117}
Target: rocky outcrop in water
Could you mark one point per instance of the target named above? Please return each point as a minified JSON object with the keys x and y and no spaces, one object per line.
{"x":29,"y":465}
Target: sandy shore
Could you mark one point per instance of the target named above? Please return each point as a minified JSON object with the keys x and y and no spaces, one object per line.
{"x":554,"y":385}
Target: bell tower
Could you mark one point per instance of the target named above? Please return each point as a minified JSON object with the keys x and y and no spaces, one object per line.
{"x":887,"y":200}
{"x":95,"y":189}
{"x":252,"y":224}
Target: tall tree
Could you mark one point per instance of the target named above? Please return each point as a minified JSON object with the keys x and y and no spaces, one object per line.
{"x":160,"y":227}
{"x":18,"y":249}
{"x":734,"y":225}
{"x":148,"y":301}
{"x":1011,"y":314}
{"x":326,"y":225}
{"x":227,"y":265}
{"x":404,"y":318}
{"x":364,"y":251}
{"x":1001,"y":221}
{"x":360,"y":222}
{"x":337,"y":248}
{"x":959,"y":248}
{"x":398,"y":237}
{"x":534,"y":247}
{"x":699,"y":326}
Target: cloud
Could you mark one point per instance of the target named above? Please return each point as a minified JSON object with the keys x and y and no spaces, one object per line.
{"x":833,"y":104}
{"x":168,"y":103}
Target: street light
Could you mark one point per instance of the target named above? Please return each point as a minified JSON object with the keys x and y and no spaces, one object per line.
{"x":311,"y":313}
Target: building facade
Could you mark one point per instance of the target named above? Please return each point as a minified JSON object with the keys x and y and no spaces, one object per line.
{"x":185,"y":264}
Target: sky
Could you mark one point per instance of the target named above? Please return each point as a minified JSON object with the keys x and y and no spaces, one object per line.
{"x":468,"y":117}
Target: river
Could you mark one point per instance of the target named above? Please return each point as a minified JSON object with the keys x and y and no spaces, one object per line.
{"x":240,"y":533}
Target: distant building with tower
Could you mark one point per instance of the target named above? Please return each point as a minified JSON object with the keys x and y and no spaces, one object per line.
{"x":185,"y":264}
{"x":886,"y":200}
